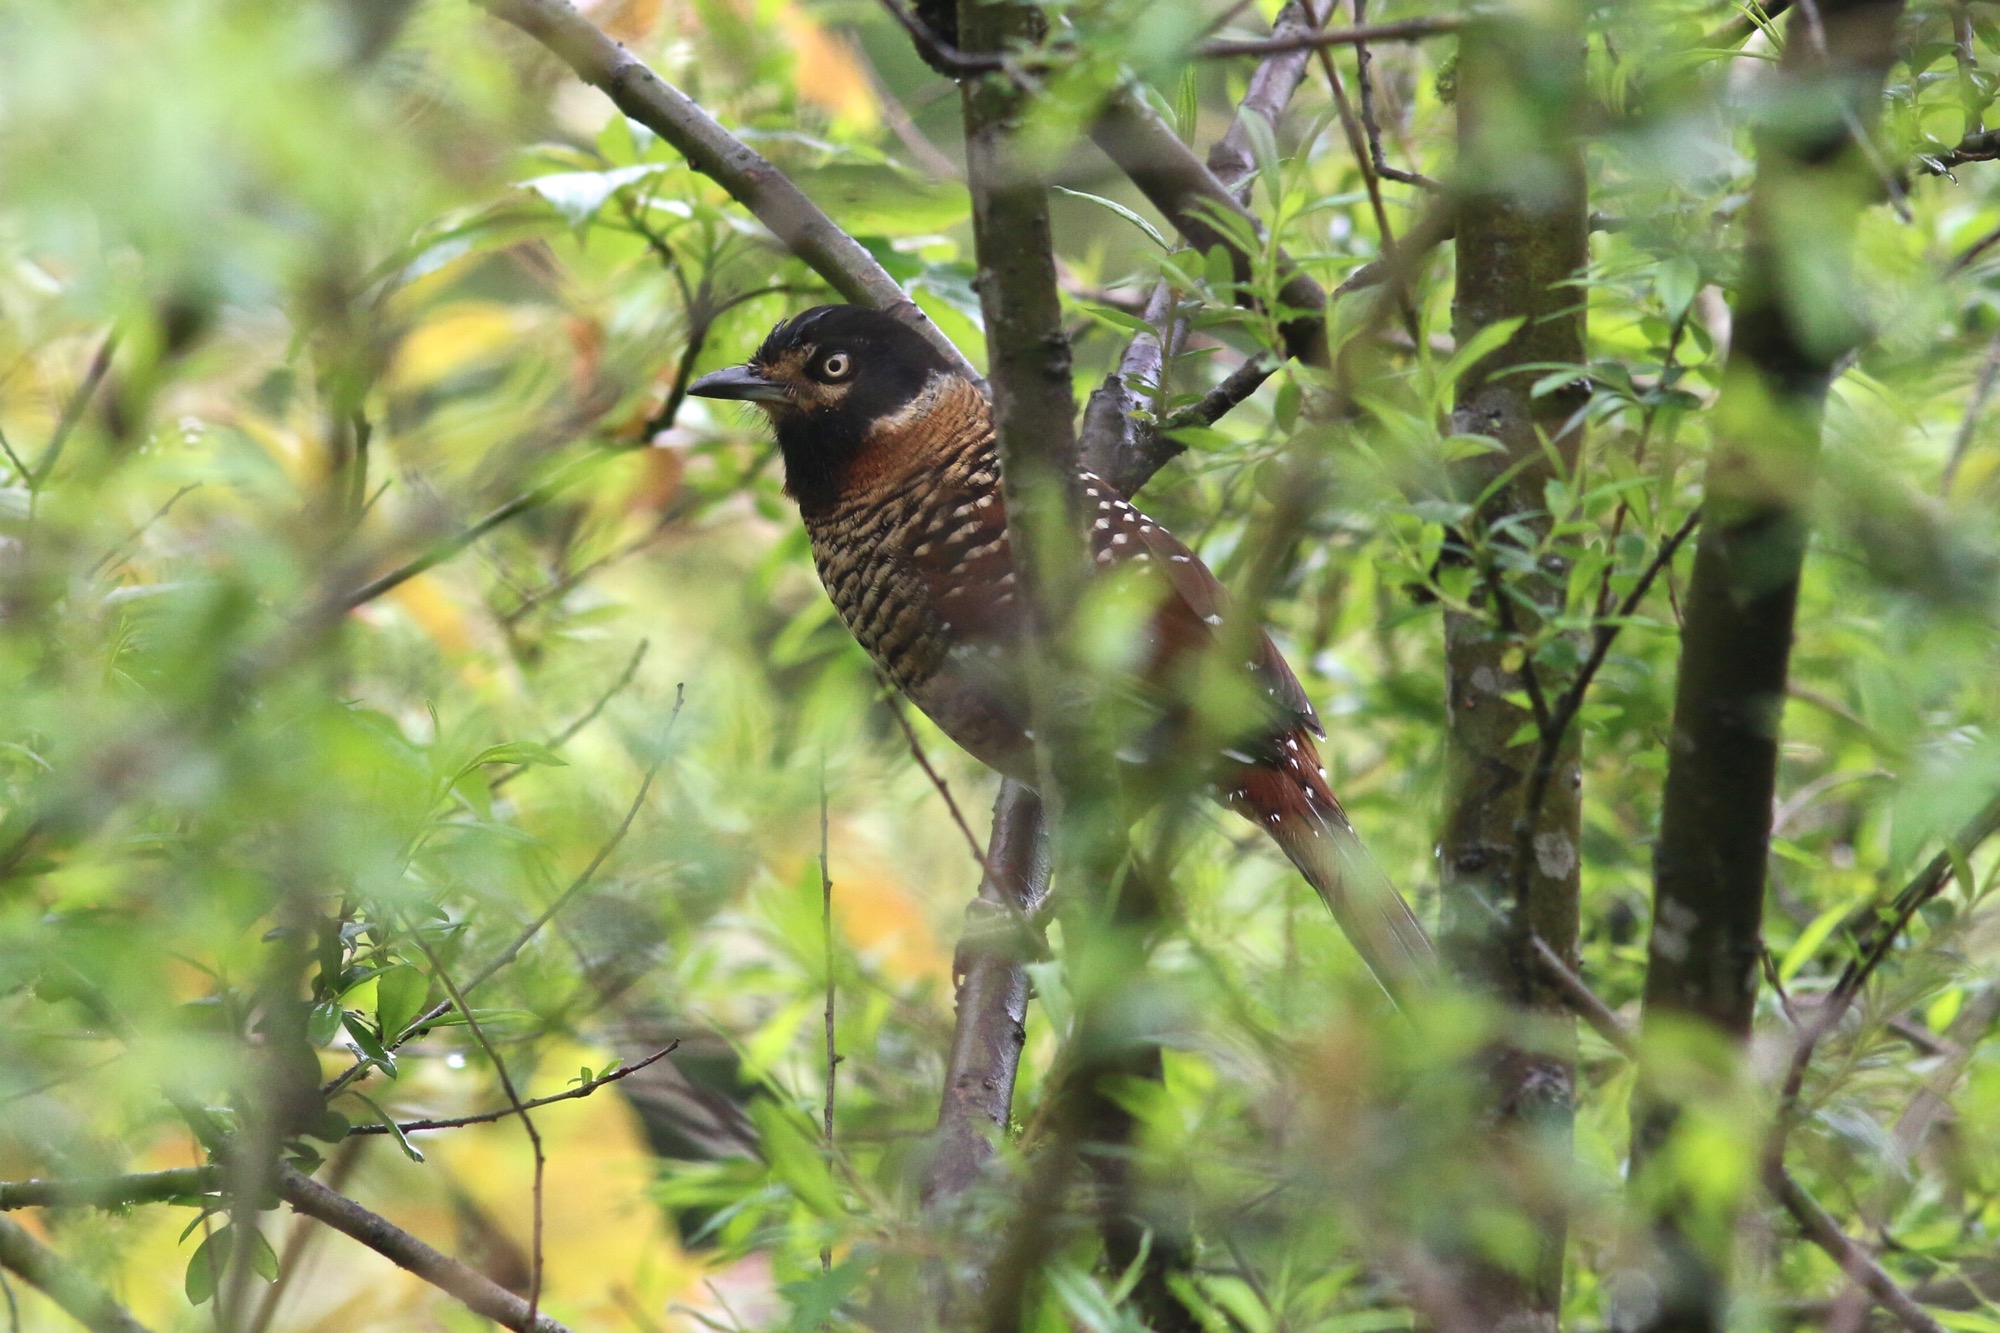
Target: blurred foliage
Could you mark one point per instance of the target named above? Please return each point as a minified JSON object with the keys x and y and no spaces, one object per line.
{"x":292,"y":294}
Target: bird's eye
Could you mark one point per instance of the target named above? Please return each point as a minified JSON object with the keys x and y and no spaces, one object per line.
{"x":836,"y":366}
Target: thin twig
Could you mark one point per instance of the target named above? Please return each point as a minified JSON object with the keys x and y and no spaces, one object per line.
{"x":512,"y":951}
{"x":1973,"y":251}
{"x":446,"y":549}
{"x":488,"y":1117}
{"x":472,"y":1024}
{"x":1983,"y":146}
{"x":141,"y":530}
{"x":1404,"y":30}
{"x":1364,"y":61}
{"x":1357,"y":145}
{"x":937,"y":779}
{"x":100,"y":365}
{"x":479,"y":1293}
{"x":1975,"y":411}
{"x":1552,"y":723}
{"x":1582,"y":1000}
{"x":568,"y":733}
{"x":826,"y":941}
{"x":939,"y":54}
{"x":1872,"y":948}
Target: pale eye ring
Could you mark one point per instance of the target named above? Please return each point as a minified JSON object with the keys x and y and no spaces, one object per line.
{"x":836,"y":366}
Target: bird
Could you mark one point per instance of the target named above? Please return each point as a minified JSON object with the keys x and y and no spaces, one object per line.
{"x":890,"y":453}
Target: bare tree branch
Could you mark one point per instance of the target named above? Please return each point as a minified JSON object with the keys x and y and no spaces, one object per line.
{"x":1820,"y":1228}
{"x":1177,"y":183}
{"x":992,"y":997}
{"x":42,"y":1268}
{"x":479,"y":1293}
{"x":110,"y":1191}
{"x":1711,"y":860}
{"x":750,"y":179}
{"x":1404,"y":30}
{"x":1115,"y":444}
{"x":1518,"y":251}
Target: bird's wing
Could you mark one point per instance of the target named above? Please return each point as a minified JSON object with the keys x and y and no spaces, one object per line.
{"x":1197,"y":612}
{"x":962,"y":553}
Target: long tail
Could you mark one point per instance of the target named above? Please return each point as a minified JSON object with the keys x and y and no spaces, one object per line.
{"x":1291,"y":801}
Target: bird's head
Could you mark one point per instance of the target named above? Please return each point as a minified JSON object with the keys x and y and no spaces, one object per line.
{"x":832,"y":380}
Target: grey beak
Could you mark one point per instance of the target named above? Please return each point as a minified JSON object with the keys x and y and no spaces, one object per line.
{"x":739,"y":382}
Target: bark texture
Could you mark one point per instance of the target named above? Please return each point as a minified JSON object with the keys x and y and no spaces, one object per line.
{"x":1792,"y":325}
{"x":1522,"y":232}
{"x":992,"y":997}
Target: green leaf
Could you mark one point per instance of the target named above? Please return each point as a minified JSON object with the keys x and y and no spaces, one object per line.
{"x":395,"y":1130}
{"x":796,"y":1158}
{"x":1187,"y":104}
{"x":1810,"y":939}
{"x":1200,"y":438}
{"x":1114,"y":206}
{"x":577,"y":195}
{"x":369,"y":1043}
{"x":518,"y":752}
{"x":1115,"y":317}
{"x":204,"y":1270}
{"x":1476,"y":349}
{"x":329,"y":1126}
{"x":1264,"y":150}
{"x":211,"y":1260}
{"x":1676,"y":282}
{"x":400,"y":993}
{"x":323,"y":1022}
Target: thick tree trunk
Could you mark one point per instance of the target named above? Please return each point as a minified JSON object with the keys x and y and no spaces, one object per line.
{"x":1792,"y":326}
{"x":1521,"y":235}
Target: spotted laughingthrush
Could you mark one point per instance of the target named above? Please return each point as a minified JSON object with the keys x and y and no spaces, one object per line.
{"x":890,"y":453}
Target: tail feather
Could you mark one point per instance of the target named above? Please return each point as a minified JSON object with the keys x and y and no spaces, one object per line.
{"x":1291,"y":801}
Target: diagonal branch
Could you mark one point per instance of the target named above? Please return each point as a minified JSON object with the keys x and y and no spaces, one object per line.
{"x":479,"y":1293}
{"x":1177,"y":183}
{"x":1115,"y":444}
{"x":41,"y":1267}
{"x":1820,"y":1228}
{"x":798,"y":223}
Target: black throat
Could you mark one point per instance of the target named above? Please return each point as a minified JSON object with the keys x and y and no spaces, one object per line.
{"x":819,"y":449}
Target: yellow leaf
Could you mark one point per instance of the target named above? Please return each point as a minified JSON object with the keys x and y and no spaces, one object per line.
{"x":425,"y":601}
{"x":882,"y":919}
{"x":828,"y":72}
{"x":459,"y":335}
